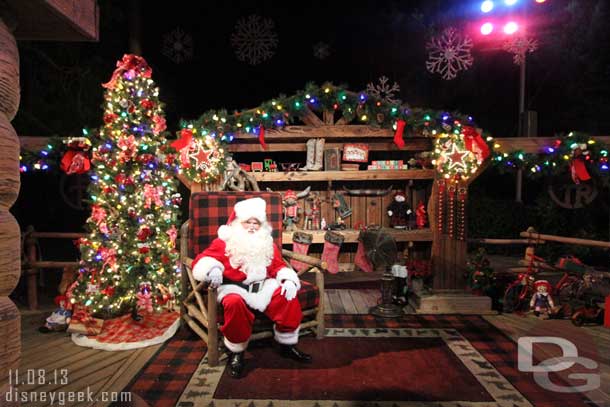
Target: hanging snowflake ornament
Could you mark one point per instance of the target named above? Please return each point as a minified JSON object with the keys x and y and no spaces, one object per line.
{"x":254,"y":39}
{"x":177,"y":46}
{"x":383,"y":91}
{"x":449,"y":53}
{"x":321,"y":50}
{"x":519,"y":46}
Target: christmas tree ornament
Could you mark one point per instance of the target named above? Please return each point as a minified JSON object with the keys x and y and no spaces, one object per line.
{"x":449,"y":53}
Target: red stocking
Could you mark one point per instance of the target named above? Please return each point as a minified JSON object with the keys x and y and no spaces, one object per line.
{"x":300,"y":244}
{"x":330,"y":254}
{"x":361,"y":261}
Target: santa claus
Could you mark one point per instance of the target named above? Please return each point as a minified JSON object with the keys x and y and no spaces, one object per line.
{"x":247,"y":267}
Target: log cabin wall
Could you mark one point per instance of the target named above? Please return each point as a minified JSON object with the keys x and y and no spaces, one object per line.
{"x":10,"y":268}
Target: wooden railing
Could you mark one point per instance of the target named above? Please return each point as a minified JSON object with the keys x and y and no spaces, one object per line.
{"x":32,"y":263}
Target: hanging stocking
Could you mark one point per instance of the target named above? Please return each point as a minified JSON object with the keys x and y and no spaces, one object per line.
{"x":400,"y":127}
{"x":361,"y":261}
{"x":330,"y":254}
{"x":261,"y":137}
{"x":300,"y":244}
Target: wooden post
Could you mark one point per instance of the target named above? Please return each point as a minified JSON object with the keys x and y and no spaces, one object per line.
{"x":10,"y":250}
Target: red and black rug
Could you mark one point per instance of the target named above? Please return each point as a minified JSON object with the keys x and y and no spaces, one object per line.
{"x":363,"y":360}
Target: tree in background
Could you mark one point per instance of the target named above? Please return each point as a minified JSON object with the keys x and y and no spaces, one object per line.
{"x":130,"y":255}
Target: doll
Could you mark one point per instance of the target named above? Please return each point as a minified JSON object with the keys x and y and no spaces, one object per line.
{"x":541,"y":301}
{"x":60,"y":318}
{"x":399,"y":211}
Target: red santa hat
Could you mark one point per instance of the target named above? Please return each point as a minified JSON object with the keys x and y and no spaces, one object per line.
{"x":243,"y":210}
{"x":545,"y":283}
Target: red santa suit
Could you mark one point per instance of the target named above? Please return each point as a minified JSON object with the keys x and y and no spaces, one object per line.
{"x":250,"y":284}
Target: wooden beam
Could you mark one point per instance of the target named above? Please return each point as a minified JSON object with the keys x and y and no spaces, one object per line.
{"x":324,"y":131}
{"x":351,"y":235}
{"x":413,"y":144}
{"x":342,"y":175}
{"x":532,"y":144}
{"x":56,"y":20}
{"x":562,"y":239}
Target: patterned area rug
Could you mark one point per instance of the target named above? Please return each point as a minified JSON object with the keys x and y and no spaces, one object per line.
{"x":364,"y":361}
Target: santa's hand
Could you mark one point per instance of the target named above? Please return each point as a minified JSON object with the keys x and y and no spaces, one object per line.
{"x":289,"y":290}
{"x":214,"y":277}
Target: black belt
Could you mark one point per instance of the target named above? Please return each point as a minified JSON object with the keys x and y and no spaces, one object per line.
{"x":251,"y":288}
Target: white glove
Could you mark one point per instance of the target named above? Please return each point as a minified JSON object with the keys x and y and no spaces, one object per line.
{"x":289,"y":290}
{"x":214,"y":277}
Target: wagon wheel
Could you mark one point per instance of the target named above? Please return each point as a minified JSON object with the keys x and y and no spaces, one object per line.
{"x":516,"y":298}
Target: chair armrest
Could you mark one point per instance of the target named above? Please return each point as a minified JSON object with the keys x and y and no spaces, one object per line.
{"x":312,"y":261}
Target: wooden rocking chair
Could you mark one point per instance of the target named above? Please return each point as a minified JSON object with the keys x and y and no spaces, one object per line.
{"x":199,"y":308}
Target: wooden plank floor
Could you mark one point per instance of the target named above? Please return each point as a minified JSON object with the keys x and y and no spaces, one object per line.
{"x":101,"y":371}
{"x":67,"y":367}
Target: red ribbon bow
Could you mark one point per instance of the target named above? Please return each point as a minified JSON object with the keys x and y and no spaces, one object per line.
{"x":475,"y":143}
{"x":129,"y":62}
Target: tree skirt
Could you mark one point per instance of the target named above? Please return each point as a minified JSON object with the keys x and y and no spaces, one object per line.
{"x":123,"y":333}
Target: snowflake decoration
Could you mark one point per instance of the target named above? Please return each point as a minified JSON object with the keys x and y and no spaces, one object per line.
{"x":520,"y":46}
{"x":177,"y":46}
{"x":254,"y":39}
{"x":321,"y":50}
{"x":449,"y":53}
{"x":383,"y":91}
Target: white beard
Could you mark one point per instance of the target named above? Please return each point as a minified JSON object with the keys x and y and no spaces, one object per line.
{"x":250,"y":252}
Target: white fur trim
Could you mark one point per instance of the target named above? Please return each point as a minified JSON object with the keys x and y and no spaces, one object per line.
{"x":255,"y":274}
{"x":235,"y":347}
{"x":203,"y":267}
{"x":91,"y":342}
{"x":251,"y":208}
{"x":286,"y":273}
{"x":286,"y":338}
{"x":225,"y":232}
{"x":259,"y":301}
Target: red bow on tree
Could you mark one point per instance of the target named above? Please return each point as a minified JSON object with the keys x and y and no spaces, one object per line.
{"x":75,"y":162}
{"x":130,"y":64}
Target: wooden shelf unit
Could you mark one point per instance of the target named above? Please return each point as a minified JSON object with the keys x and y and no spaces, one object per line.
{"x":362,"y":175}
{"x":351,"y":235}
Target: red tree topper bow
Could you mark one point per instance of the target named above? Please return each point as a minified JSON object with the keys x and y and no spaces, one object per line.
{"x":130,"y":62}
{"x":475,"y":143}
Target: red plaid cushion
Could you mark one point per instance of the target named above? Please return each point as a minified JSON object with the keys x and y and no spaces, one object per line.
{"x":308,"y":296}
{"x":210,"y":210}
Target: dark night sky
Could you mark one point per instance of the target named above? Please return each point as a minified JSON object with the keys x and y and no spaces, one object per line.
{"x":568,"y":77}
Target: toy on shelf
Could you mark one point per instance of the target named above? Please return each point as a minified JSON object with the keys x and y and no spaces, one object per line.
{"x":312,"y":213}
{"x":269,"y":165}
{"x":341,"y":206}
{"x":292,"y":211}
{"x":399,"y":211}
{"x":421,"y":217}
{"x":257,"y":166}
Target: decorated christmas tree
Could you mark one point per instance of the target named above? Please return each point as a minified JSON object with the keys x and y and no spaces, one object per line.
{"x":129,"y":258}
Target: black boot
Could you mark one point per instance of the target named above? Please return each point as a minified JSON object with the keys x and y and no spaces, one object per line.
{"x":236,"y":364}
{"x":291,"y":352}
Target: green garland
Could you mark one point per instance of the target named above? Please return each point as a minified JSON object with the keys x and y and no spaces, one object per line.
{"x":555,"y":159}
{"x":285,"y":110}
